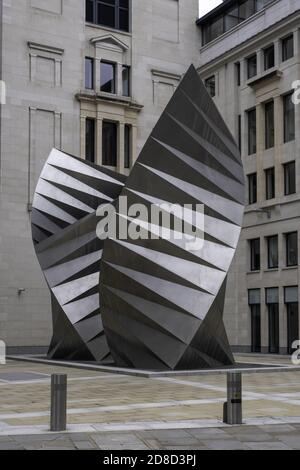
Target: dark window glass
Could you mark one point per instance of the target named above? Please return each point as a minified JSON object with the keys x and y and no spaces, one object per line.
{"x":273,"y":311}
{"x":255,"y":254}
{"x":240,"y":132}
{"x":289,"y":118}
{"x":292,"y":249}
{"x":111,"y":13}
{"x":217,"y":28}
{"x":108,"y":77}
{"x":252,"y":188}
{"x":269,"y":57}
{"x":272,"y":252}
{"x":231,"y":18}
{"x":90,"y":16}
{"x":289,"y":178}
{"x":288,"y":48}
{"x":252,"y":131}
{"x":90,"y":140}
{"x":127,"y":149}
{"x":292,"y":325}
{"x":238,"y":73}
{"x":252,"y":66}
{"x":255,"y":328}
{"x":247,"y":9}
{"x":210,"y":84}
{"x":89,"y":73}
{"x":126,"y":80}
{"x":270,"y":183}
{"x":269,"y":125}
{"x":109,"y":144}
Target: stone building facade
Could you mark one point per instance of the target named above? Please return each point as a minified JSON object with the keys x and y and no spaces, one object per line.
{"x":90,"y":78}
{"x":250,"y":59}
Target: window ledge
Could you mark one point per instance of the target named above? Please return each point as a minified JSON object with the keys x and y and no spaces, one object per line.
{"x":92,"y":96}
{"x":273,"y":73}
{"x":253,"y":272}
{"x":289,"y":268}
{"x":271,"y":270}
{"x":107,"y":28}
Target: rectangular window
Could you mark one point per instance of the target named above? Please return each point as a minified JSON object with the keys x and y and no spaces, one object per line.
{"x":109,"y":144}
{"x":291,"y":249}
{"x":231,"y":18}
{"x":272,"y":252}
{"x":269,"y":125}
{"x":210,"y":84}
{"x":110,"y":13}
{"x":289,"y":178}
{"x":292,"y":309}
{"x":288,"y":48}
{"x":126,"y":80}
{"x":247,"y":8}
{"x":269,"y":57}
{"x":252,"y":66}
{"x":127,"y":144}
{"x":240,"y":132}
{"x":108,"y":77}
{"x":90,"y":140}
{"x":252,"y":188}
{"x":89,"y":73}
{"x":238,"y":73}
{"x":251,"y":131}
{"x":270,"y":183}
{"x":255,"y":254}
{"x":254,"y":303}
{"x":289,"y":118}
{"x":272,"y":301}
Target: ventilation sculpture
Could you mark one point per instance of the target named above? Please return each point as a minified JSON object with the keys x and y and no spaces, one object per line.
{"x":161,"y":303}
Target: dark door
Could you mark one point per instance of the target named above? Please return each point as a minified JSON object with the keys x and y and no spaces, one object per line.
{"x":292,"y":325}
{"x":273,"y":328}
{"x":255,"y":328}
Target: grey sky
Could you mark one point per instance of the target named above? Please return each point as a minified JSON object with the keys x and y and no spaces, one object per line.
{"x":206,"y":5}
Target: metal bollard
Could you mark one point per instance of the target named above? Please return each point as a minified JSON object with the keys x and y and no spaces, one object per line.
{"x":233,"y":407}
{"x":58,"y":414}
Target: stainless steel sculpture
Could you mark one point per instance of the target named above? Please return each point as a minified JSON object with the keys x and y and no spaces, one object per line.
{"x":161,"y":302}
{"x":64,"y":233}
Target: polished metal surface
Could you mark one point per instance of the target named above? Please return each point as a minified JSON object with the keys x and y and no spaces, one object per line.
{"x":58,"y":412}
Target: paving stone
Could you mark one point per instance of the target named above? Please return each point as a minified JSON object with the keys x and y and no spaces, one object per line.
{"x":291,"y":441}
{"x":223,"y":445}
{"x":83,"y":445}
{"x":267,"y":446}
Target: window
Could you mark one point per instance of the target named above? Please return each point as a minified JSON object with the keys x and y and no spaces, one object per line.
{"x":108,"y":77}
{"x":288,"y":48}
{"x":109,"y":143}
{"x":272,"y":301}
{"x":126,"y":80}
{"x":127,"y":146}
{"x":255,"y":254}
{"x":272,"y":252}
{"x":289,"y":118}
{"x":231,"y":18}
{"x":111,"y":13}
{"x":292,"y":309}
{"x":269,"y":125}
{"x":90,"y":140}
{"x":252,"y":131}
{"x":289,"y":178}
{"x":247,"y":9}
{"x":89,"y":73}
{"x":240,"y":132}
{"x":210,"y":84}
{"x":269,"y":57}
{"x":254,"y":303}
{"x":252,"y":66}
{"x":291,"y":249}
{"x":252,"y":188}
{"x":238,"y":73}
{"x":270,"y":183}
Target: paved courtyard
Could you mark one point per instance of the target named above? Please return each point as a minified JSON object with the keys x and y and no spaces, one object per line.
{"x":111,"y":411}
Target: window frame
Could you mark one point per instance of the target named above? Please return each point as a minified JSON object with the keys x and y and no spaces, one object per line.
{"x":266,"y":50}
{"x":252,"y":200}
{"x":287,"y":182}
{"x":284,"y":56}
{"x":210,"y":85}
{"x":270,"y":194}
{"x":253,"y":253}
{"x":92,"y":157}
{"x":269,"y":129}
{"x":117,"y":14}
{"x":114,"y":66}
{"x":289,"y":134}
{"x":92,"y":63}
{"x":252,"y":146}
{"x":249,"y":75}
{"x":269,"y":240}
{"x":287,"y":237}
{"x":106,"y":161}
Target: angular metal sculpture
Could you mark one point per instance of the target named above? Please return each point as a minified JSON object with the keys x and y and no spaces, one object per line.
{"x":162,"y":304}
{"x":64,"y":233}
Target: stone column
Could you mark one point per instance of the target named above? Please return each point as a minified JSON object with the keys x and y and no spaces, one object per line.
{"x":134,"y":150}
{"x":260,"y":143}
{"x":82,"y":136}
{"x":260,"y":61}
{"x":277,"y":53}
{"x":279,"y":134}
{"x":58,"y":77}
{"x":119,"y":80}
{"x":97,"y":75}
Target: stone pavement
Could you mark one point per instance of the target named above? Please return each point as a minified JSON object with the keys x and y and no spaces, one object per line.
{"x":275,"y":437}
{"x":108,"y":409}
